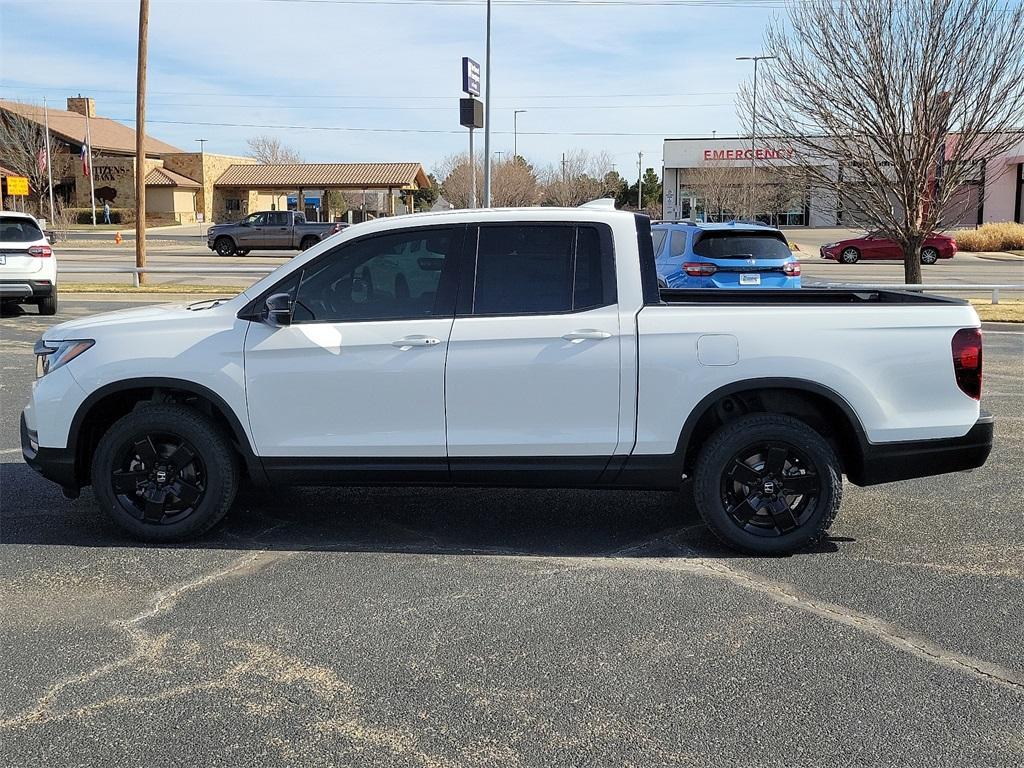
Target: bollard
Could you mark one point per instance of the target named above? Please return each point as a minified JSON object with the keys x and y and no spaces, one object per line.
{"x":117,"y":238}
{"x":995,"y":295}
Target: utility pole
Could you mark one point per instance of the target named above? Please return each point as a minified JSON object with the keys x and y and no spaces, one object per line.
{"x":92,"y":177}
{"x":140,"y":141}
{"x":487,"y":113}
{"x":515,"y":132}
{"x":753,"y":130}
{"x":499,"y":153}
{"x":49,"y":159}
{"x":640,"y":181}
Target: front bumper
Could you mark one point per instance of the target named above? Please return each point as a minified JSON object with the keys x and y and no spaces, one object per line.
{"x":25,"y":289}
{"x":888,"y":462}
{"x":56,"y":464}
{"x":826,"y":254}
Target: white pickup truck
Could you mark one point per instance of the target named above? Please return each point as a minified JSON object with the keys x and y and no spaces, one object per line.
{"x":523,"y":347}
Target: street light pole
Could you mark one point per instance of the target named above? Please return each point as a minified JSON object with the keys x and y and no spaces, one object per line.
{"x":753,"y":129}
{"x":487,"y":113}
{"x":515,"y":132}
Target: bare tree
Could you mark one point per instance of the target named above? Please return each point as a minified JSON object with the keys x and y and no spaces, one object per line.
{"x":514,"y":184}
{"x":22,"y":144}
{"x":454,"y":172}
{"x":924,"y":91}
{"x":579,"y":178}
{"x":719,"y":185}
{"x":270,"y":150}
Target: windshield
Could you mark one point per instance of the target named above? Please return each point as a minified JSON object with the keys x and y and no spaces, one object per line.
{"x":741,"y":245}
{"x":14,"y":229}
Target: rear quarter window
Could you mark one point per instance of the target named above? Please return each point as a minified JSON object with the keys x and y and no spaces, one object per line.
{"x":17,"y":230}
{"x":741,"y":245}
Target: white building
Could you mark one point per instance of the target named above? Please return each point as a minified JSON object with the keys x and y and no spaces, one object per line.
{"x":697,"y":170}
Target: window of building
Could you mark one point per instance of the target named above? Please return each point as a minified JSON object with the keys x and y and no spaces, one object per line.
{"x":232,"y":204}
{"x":542,"y":269}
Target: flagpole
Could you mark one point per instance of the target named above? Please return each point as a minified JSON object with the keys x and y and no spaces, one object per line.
{"x":88,"y":145}
{"x":49,"y":160}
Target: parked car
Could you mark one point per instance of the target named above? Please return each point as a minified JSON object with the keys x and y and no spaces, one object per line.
{"x":268,"y":230}
{"x":516,"y":347}
{"x":728,"y":255}
{"x":28,"y":266}
{"x":872,"y":245}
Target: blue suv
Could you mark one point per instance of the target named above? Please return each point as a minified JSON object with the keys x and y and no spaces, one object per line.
{"x":731,"y":255}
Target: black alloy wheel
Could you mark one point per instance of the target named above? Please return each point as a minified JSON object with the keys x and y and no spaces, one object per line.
{"x":160,"y":478}
{"x":225,"y":246}
{"x":767,"y":483}
{"x":770,"y":488}
{"x":165,"y":472}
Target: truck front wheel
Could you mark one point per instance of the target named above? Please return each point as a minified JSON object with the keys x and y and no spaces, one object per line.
{"x":768,"y":484}
{"x":224,"y":246}
{"x":165,"y":473}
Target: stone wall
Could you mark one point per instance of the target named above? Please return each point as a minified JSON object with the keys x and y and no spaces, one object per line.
{"x":205,"y":168}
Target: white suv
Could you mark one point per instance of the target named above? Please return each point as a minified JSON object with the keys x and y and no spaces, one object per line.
{"x":28,"y":267}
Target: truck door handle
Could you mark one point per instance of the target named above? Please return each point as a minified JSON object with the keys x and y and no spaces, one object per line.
{"x":587,"y":333}
{"x":416,"y":341}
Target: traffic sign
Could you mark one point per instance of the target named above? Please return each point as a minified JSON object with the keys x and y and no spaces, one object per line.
{"x":470,"y":76}
{"x":17,"y":186}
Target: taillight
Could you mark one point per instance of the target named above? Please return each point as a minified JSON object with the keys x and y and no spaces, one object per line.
{"x":967,"y":361}
{"x":792,"y":268}
{"x":40,"y":251}
{"x":699,"y":269}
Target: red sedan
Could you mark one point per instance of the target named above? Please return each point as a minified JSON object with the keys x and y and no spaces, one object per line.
{"x":876,"y":246}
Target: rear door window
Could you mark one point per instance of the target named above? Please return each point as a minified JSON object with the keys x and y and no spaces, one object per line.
{"x":542,"y":269}
{"x":658,"y":236}
{"x":740,"y":245}
{"x":14,"y":229}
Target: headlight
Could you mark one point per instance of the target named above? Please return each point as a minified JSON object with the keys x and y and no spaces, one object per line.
{"x":830,"y":245}
{"x":51,"y":355}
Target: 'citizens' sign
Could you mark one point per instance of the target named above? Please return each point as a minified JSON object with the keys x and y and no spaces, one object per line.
{"x":748,"y":154}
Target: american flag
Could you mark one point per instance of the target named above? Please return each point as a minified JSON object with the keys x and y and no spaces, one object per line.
{"x":85,"y":159}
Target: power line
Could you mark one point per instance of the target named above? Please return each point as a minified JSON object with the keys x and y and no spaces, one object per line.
{"x":660,"y":134}
{"x":166,"y":105}
{"x":320,"y":97}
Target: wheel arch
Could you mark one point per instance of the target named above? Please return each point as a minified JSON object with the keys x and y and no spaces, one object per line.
{"x":111,"y":401}
{"x":821,"y":407}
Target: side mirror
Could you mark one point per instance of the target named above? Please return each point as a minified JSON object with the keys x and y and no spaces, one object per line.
{"x":279,"y":309}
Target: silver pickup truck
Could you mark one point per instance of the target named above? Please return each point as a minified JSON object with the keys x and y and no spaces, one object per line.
{"x":268,"y":230}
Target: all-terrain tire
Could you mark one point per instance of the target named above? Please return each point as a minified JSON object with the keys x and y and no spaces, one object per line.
{"x":214,"y":469}
{"x":715,"y":483}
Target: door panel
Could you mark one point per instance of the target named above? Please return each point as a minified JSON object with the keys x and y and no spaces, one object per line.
{"x":360,"y":371}
{"x":516,"y":386}
{"x":345,"y":389}
{"x":533,"y":361}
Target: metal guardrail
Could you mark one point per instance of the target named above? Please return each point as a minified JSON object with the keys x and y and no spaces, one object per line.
{"x":136,"y":271}
{"x":229,"y":270}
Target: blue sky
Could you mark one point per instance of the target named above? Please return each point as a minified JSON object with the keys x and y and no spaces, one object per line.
{"x":324,"y":66}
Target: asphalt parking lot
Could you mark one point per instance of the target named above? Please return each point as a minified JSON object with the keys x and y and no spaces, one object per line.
{"x":426,"y":627}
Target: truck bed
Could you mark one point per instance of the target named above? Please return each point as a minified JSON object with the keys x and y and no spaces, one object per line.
{"x":812,"y":296}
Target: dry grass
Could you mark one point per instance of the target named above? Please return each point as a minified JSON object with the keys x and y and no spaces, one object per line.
{"x":165,"y":288}
{"x":1004,"y":236}
{"x":1006,"y":311}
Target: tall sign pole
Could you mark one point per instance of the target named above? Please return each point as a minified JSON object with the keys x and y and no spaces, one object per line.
{"x":471,"y":116}
{"x":49,"y":159}
{"x":753,"y":130}
{"x":487,"y":113}
{"x":640,"y":181}
{"x":140,"y":141}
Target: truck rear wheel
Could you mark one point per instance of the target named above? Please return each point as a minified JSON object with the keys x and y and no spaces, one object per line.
{"x":768,"y":484}
{"x":224,"y":246}
{"x":308,"y":242}
{"x":165,"y":473}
